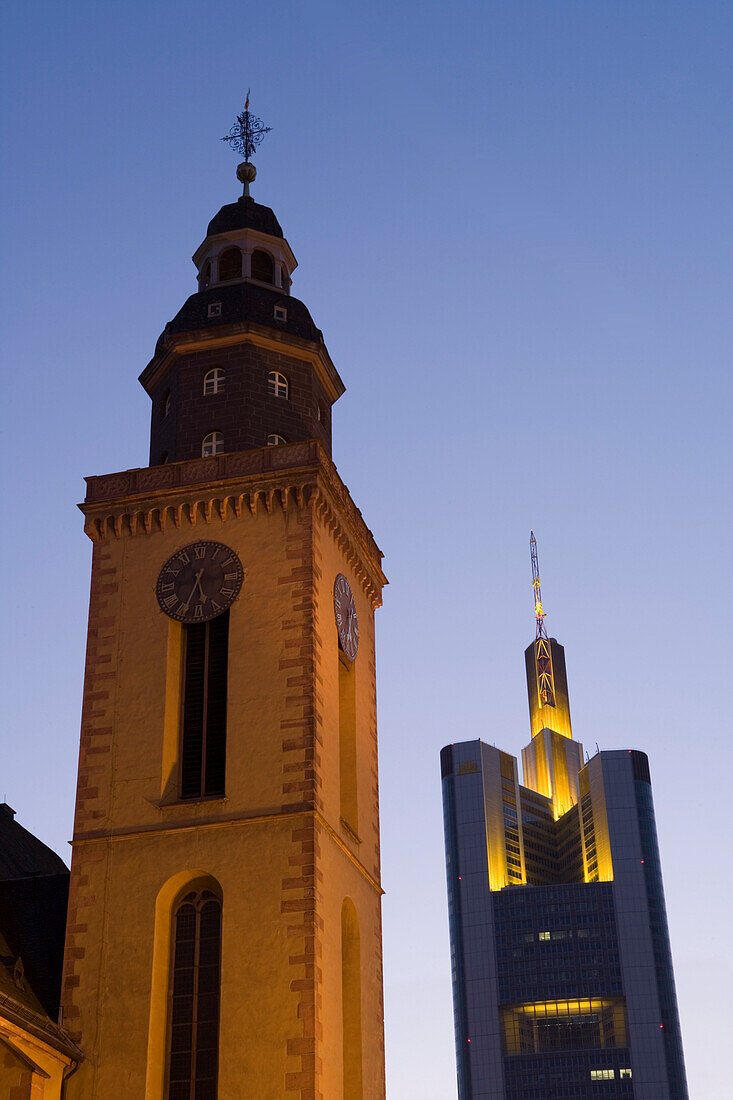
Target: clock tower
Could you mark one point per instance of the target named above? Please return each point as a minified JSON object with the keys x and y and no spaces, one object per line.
{"x":224,"y":928}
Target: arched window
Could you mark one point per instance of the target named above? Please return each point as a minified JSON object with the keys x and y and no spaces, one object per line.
{"x":205,"y":276}
{"x":213,"y":444}
{"x":353,"y":1086}
{"x":193,"y":1044}
{"x":214,"y":381}
{"x":277,"y":384}
{"x":230,"y":265}
{"x":165,"y":404}
{"x":275,"y":440}
{"x":262,"y":268}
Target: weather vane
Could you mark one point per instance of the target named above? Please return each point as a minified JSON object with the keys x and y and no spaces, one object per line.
{"x":244,"y":137}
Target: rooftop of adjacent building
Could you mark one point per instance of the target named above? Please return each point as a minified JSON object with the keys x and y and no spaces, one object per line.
{"x":22,"y":854}
{"x":34,"y":883}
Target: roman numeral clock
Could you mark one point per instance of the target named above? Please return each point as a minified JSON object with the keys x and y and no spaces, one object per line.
{"x":199,"y":582}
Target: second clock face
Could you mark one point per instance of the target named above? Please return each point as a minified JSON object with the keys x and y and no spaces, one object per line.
{"x":199,"y":582}
{"x":347,"y":623}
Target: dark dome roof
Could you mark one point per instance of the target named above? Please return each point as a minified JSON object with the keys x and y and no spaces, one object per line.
{"x":245,"y":214}
{"x":243,"y":302}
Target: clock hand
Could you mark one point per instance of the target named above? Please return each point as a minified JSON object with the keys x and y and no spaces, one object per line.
{"x":197,"y":584}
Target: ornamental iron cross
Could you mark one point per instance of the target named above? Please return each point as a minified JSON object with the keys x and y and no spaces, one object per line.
{"x":247,"y":133}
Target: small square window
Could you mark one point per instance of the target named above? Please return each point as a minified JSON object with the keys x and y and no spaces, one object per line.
{"x":281,"y":314}
{"x":214,"y":309}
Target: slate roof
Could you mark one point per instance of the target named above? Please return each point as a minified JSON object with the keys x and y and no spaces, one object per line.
{"x":21,"y":853}
{"x":245,"y":214}
{"x":243,"y":301}
{"x":34,"y":890}
{"x":19,"y":992}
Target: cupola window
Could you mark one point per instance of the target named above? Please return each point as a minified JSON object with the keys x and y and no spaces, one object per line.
{"x":277,"y":384}
{"x":263,"y":268}
{"x":214,"y":309}
{"x":213,"y":444}
{"x":230,"y":265}
{"x":275,"y":440}
{"x":281,"y":314}
{"x":214,"y":381}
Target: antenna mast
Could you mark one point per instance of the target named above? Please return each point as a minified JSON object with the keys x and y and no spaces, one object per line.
{"x":539,"y":614}
{"x":542,"y":652}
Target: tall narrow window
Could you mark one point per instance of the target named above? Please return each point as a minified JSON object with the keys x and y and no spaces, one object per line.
{"x":204,"y":720}
{"x":193,"y":1058}
{"x":347,"y":744}
{"x":353,"y":1087}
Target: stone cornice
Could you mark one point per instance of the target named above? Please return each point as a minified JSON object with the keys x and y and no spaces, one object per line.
{"x":176,"y":344}
{"x":189,"y":494}
{"x":176,"y":828}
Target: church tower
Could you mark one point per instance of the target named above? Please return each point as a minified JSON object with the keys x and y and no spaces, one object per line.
{"x":224,"y":929}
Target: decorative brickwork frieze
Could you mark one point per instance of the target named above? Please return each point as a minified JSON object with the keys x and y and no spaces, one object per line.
{"x":224,"y":487}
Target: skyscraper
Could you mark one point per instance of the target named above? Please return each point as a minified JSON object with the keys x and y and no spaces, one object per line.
{"x":562,"y":972}
{"x":224,"y":929}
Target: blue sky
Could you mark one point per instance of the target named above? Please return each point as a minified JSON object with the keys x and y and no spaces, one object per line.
{"x":513,"y":226}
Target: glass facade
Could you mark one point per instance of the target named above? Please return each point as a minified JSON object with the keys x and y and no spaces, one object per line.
{"x":562,"y":971}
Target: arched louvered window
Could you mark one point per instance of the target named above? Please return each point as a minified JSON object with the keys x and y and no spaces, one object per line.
{"x":277,"y":384}
{"x":275,"y":440}
{"x":230,"y":265}
{"x":193,"y":1042}
{"x":262,"y":268}
{"x":214,"y":381}
{"x":204,"y":719}
{"x":212,"y":444}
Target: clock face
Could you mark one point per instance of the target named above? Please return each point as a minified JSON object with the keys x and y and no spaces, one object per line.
{"x":347,"y":623}
{"x":199,"y":582}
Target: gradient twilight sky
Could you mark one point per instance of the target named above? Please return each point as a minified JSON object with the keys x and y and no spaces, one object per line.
{"x":513,"y":224}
